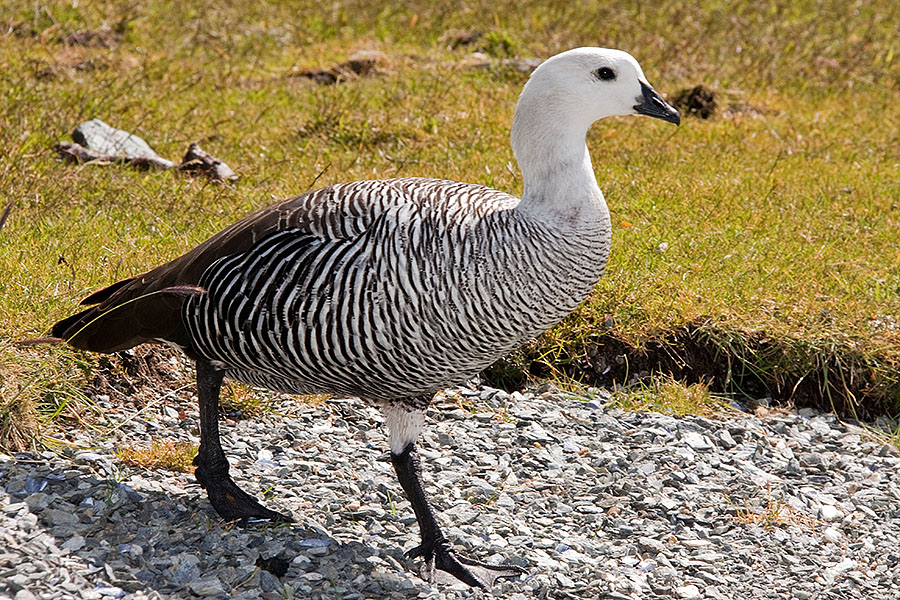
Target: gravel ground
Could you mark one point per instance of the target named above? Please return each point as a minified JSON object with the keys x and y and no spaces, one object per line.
{"x":592,"y":501}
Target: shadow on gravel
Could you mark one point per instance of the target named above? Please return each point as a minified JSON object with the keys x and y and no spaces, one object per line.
{"x":67,"y":529}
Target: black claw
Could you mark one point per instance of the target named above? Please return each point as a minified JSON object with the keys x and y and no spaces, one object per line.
{"x":427,"y":548}
{"x":438,"y":554}
{"x":435,"y":548}
{"x":447,"y":562}
{"x":234,"y":504}
{"x":230,"y":501}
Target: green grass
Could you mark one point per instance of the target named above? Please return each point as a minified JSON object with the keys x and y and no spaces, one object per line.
{"x":665,"y":395}
{"x":781,"y":273}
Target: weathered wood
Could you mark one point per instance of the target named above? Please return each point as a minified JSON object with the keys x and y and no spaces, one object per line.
{"x":79,"y":153}
{"x":197,"y":159}
{"x":98,"y":143}
{"x":98,"y":137}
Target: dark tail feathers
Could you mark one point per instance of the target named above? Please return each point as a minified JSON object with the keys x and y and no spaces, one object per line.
{"x":124,"y":318}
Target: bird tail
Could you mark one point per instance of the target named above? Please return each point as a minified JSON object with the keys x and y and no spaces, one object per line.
{"x":125,"y":314}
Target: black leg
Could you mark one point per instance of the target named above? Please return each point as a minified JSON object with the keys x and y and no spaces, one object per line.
{"x":435,"y":547}
{"x":230,"y":501}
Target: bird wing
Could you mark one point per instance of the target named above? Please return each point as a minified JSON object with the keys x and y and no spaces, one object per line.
{"x":148,"y":306}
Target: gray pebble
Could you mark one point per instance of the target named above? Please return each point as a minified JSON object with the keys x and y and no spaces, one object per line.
{"x":208,"y":586}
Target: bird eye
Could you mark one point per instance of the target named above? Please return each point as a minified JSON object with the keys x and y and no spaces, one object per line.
{"x":605,"y":74}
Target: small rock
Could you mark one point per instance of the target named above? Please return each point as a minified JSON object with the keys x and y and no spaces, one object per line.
{"x":35,"y":484}
{"x":53,"y":516}
{"x":74,"y":543}
{"x":37,"y":502}
{"x":571,"y":446}
{"x":268,"y":582}
{"x":725,"y":440}
{"x":651,"y":545}
{"x":696,"y":441}
{"x":832,"y":535}
{"x":812,"y":460}
{"x":188,"y":569}
{"x":829,"y":513}
{"x":688,"y":592}
{"x":89,"y":457}
{"x":314,"y":543}
{"x":209,"y":586}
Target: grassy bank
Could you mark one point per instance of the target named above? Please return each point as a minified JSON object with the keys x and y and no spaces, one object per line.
{"x":756,"y":249}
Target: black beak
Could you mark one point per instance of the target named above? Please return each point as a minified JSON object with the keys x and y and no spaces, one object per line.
{"x":651,"y":104}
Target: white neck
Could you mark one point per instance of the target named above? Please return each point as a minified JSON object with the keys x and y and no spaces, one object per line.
{"x":549,"y":145}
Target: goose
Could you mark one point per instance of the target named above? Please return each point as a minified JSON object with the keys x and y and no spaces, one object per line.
{"x":389,"y":290}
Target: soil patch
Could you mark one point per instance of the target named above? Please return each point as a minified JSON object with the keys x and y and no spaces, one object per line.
{"x":362,"y":64}
{"x":102,"y":38}
{"x":139,"y":375}
{"x":747,"y":365}
{"x":698,"y":101}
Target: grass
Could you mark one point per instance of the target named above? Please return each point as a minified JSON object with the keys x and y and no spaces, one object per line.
{"x":38,"y":388}
{"x":170,"y":456}
{"x":665,"y":395}
{"x":242,"y":401}
{"x":775,"y":513}
{"x":755,"y":251}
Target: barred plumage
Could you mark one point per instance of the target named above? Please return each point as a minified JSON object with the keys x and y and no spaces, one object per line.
{"x":429,"y":283}
{"x":389,"y":290}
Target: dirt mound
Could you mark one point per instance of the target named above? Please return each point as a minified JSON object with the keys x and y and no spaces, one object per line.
{"x":698,"y":101}
{"x":141,"y":374}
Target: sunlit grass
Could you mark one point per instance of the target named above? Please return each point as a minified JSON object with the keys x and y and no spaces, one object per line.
{"x":667,"y":396}
{"x":242,"y":401}
{"x":37,"y":387}
{"x":775,"y":513}
{"x":169,"y":455}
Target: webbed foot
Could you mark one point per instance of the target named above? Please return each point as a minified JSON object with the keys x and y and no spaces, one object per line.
{"x":231,"y":502}
{"x":439,"y":555}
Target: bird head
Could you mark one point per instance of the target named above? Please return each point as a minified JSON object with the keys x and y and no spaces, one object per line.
{"x":587,"y":84}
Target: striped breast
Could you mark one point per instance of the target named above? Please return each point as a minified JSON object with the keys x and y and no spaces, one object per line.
{"x":393,"y":288}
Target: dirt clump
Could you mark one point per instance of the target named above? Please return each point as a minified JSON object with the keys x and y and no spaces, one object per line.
{"x":141,"y":374}
{"x":698,"y":101}
{"x":361,"y":64}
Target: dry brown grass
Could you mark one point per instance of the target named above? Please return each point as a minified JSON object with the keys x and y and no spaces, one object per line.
{"x":168,"y":455}
{"x":775,"y":512}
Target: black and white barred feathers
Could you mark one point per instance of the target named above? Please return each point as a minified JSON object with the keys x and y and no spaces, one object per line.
{"x":391,"y":288}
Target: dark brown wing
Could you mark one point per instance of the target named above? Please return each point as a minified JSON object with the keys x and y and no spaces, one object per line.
{"x":148,"y":307}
